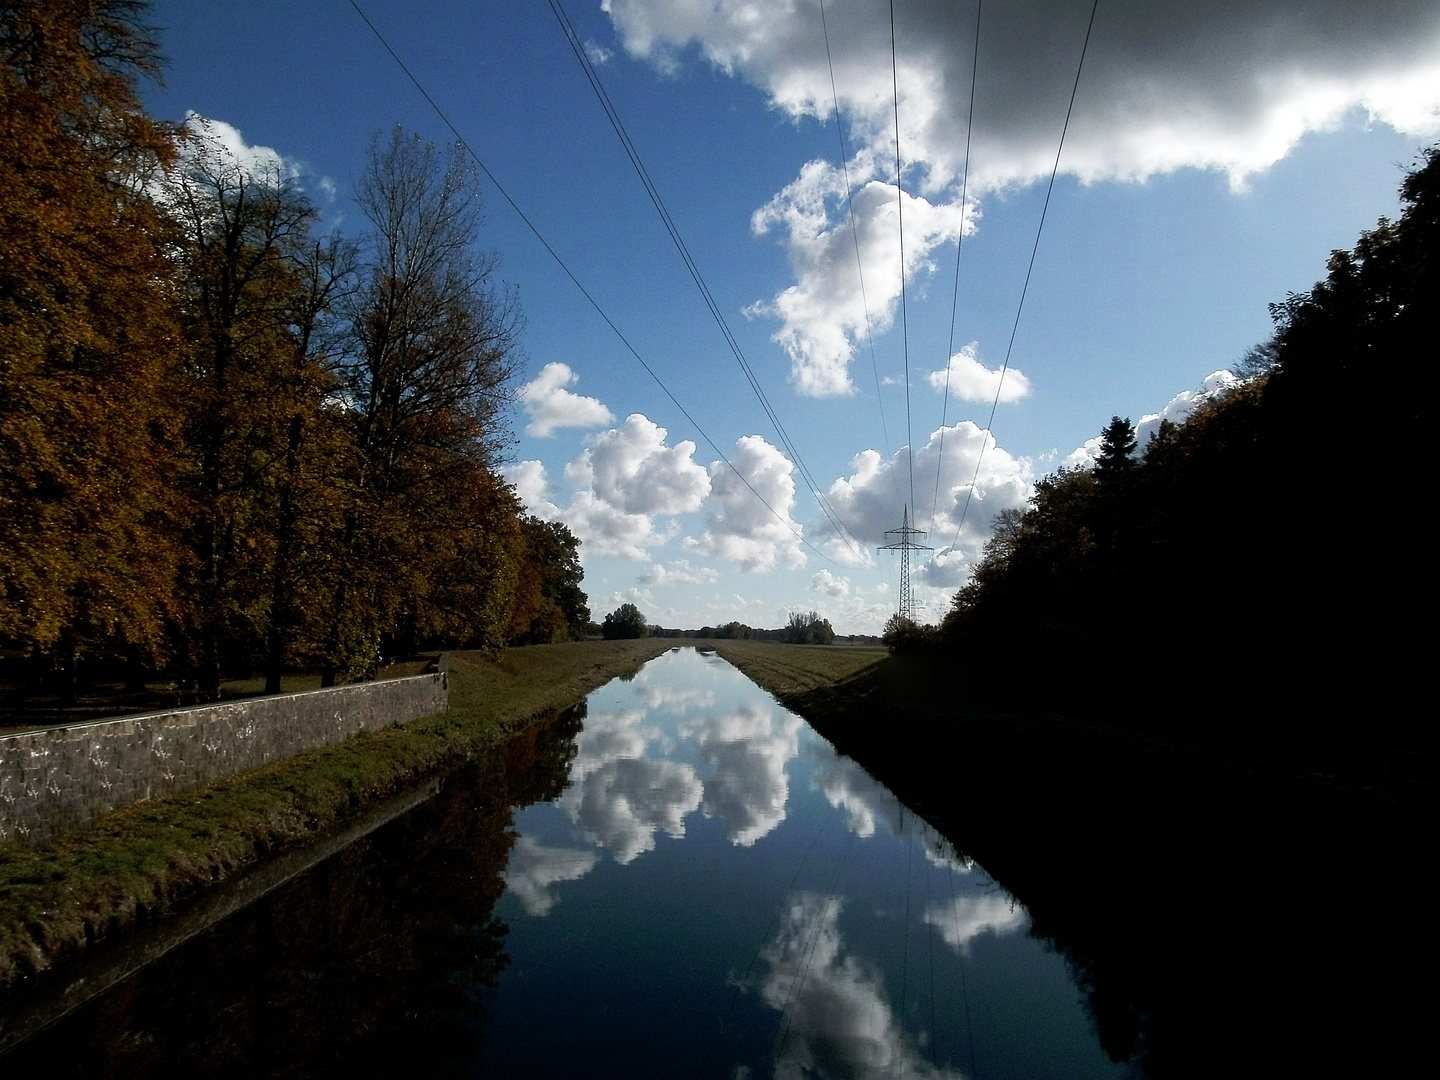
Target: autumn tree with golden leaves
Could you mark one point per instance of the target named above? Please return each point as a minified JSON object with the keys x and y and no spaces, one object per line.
{"x":226,"y":438}
{"x":88,"y":335}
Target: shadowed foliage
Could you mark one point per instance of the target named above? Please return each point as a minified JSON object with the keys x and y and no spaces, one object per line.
{"x":228,"y":439}
{"x":1222,"y":572}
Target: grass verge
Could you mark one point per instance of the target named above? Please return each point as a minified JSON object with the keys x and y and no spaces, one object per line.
{"x":144,"y":860}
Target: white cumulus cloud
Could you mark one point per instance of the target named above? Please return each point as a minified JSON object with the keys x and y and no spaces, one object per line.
{"x":870,"y":500}
{"x":1084,"y":455}
{"x":222,"y":144}
{"x":1210,"y":85}
{"x":1177,"y":410}
{"x":742,"y":529}
{"x":824,"y":315}
{"x":551,"y":406}
{"x":970,"y":380}
{"x":679,"y":572}
{"x":831,"y":585}
{"x":632,"y":470}
{"x":605,"y":530}
{"x":625,"y":477}
{"x":533,"y":487}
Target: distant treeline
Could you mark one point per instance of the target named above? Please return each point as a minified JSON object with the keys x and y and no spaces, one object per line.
{"x":1262,"y":570}
{"x":227,"y":439}
{"x":803,"y":628}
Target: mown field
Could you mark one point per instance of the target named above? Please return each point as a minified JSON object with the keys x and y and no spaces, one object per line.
{"x":792,"y":671}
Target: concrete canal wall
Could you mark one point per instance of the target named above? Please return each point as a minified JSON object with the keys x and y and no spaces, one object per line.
{"x":61,"y":779}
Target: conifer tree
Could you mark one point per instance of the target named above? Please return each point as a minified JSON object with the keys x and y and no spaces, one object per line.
{"x":1117,"y":450}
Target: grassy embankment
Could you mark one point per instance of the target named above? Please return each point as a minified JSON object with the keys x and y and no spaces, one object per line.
{"x":147,"y":859}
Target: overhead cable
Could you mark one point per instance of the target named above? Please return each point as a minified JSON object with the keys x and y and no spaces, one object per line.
{"x":577,"y":46}
{"x":460,"y":139}
{"x":900,"y":209}
{"x":1028,"y":270}
{"x":959,"y":246}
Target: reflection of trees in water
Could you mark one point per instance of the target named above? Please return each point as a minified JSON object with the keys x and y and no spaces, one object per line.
{"x":374,"y":960}
{"x":537,"y":761}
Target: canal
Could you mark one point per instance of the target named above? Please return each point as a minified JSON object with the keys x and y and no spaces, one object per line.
{"x":679,"y":878}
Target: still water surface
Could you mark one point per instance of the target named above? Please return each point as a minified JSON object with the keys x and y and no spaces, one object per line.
{"x":688,"y":881}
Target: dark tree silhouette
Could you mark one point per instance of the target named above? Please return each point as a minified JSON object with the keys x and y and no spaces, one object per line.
{"x":1221,"y":541}
{"x":808,"y":628}
{"x":626,"y":621}
{"x":1117,"y":450}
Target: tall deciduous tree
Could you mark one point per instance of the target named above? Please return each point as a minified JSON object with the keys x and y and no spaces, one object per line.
{"x":318,"y":450}
{"x":435,"y":336}
{"x":87,"y":336}
{"x":549,"y":603}
{"x":626,"y":621}
{"x":265,"y":451}
{"x":808,"y":628}
{"x":431,"y":355}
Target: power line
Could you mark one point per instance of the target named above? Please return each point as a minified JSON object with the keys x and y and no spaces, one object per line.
{"x":776,"y":922}
{"x":460,"y":139}
{"x":1028,"y":270}
{"x":854,"y":231}
{"x":808,"y":952}
{"x":959,"y":246}
{"x":859,"y":265}
{"x":572,"y":37}
{"x":900,"y":209}
{"x":905,"y":919}
{"x":964,"y":989}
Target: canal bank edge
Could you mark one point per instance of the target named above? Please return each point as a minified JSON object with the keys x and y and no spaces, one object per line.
{"x":149,"y":860}
{"x":1155,"y":866}
{"x":64,"y":778}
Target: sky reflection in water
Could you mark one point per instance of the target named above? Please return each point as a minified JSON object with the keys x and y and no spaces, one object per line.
{"x":719,"y":893}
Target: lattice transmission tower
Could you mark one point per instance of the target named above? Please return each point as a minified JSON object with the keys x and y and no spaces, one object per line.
{"x":905,"y":545}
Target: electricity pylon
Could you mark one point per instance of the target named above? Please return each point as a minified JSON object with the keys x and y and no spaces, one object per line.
{"x":905,"y":545}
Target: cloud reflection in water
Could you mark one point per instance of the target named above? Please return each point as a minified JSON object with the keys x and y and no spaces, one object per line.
{"x":848,"y":787}
{"x":533,"y":868}
{"x":967,"y":917}
{"x":837,"y":1020}
{"x":618,"y":797}
{"x":747,"y":752}
{"x":623,"y":803}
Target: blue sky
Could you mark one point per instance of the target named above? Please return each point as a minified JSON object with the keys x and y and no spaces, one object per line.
{"x":1217,"y":153}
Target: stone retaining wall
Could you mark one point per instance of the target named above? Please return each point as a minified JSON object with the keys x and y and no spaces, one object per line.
{"x":60,"y":779}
